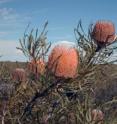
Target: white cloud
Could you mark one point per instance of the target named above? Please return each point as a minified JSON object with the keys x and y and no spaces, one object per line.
{"x":11,"y":22}
{"x":4,"y":1}
{"x":4,"y":12}
{"x":8,"y":15}
{"x":9,"y":52}
{"x":11,"y":19}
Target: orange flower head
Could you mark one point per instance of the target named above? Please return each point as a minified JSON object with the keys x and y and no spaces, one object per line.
{"x":19,"y":74}
{"x":37,"y":67}
{"x":103,"y":32}
{"x":63,"y":61}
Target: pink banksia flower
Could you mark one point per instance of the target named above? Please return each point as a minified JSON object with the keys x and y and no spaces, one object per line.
{"x":97,"y":116}
{"x":36,"y":67}
{"x":103,"y":32}
{"x":63,"y":60}
{"x":19,"y":74}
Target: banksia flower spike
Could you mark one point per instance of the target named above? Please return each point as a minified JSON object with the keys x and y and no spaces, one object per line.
{"x":36,"y":67}
{"x":63,"y":60}
{"x":103,"y":33}
{"x":19,"y":74}
{"x":97,"y":116}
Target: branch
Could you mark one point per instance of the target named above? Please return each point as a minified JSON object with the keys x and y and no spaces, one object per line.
{"x":37,"y":95}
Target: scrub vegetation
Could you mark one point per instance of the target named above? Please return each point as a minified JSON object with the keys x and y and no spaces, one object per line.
{"x":73,"y":84}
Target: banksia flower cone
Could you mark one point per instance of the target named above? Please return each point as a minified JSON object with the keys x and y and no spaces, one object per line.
{"x":63,"y":61}
{"x":36,"y":67}
{"x":97,"y":116}
{"x":19,"y":74}
{"x":103,"y":32}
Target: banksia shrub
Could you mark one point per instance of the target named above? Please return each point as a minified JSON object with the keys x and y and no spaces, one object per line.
{"x":104,"y":32}
{"x":65,"y":92}
{"x":19,"y":74}
{"x":63,"y":61}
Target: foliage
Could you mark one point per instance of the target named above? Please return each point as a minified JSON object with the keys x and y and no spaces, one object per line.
{"x":35,"y":47}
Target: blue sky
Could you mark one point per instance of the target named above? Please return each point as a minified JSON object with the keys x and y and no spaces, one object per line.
{"x":62,"y":15}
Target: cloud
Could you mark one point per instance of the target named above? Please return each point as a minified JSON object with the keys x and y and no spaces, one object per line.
{"x":9,"y":52}
{"x":9,"y":15}
{"x":10,"y":18}
{"x":11,"y":22}
{"x":4,"y":12}
{"x":4,"y":1}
